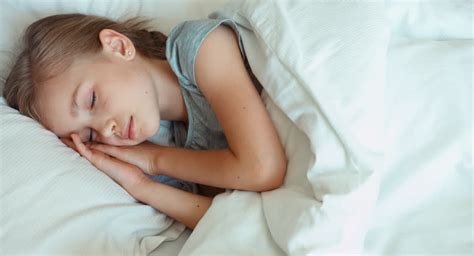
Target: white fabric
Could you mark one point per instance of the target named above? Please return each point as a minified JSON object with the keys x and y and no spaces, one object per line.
{"x":425,"y":203}
{"x":52,"y":200}
{"x":323,"y":66}
{"x":431,"y":19}
{"x":323,"y":74}
{"x":16,"y":15}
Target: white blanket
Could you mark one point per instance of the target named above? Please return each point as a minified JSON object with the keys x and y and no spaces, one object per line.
{"x":323,"y":74}
{"x":374,"y":166}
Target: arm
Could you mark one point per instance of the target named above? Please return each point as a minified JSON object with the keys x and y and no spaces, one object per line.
{"x":255,"y":159}
{"x":180,"y":205}
{"x":217,"y":168}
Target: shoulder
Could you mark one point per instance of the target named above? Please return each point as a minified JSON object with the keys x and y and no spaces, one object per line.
{"x":189,"y":35}
{"x":198,"y":28}
{"x":220,"y":73}
{"x":188,"y":38}
{"x":222,"y":38}
{"x":219,"y":56}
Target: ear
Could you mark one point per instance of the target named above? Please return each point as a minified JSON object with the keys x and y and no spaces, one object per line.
{"x":116,"y":44}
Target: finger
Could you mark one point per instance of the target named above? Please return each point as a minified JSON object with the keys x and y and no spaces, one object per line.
{"x":116,"y":169}
{"x":124,"y":174}
{"x":117,"y":152}
{"x":81,"y":148}
{"x":68,"y":142}
{"x":106,"y":163}
{"x":133,"y":155}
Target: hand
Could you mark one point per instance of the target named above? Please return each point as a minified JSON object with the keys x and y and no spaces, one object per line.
{"x":129,"y":176}
{"x":142,"y":155}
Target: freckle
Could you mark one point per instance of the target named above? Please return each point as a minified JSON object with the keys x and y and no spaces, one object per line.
{"x":238,"y":177}
{"x":197,"y":206}
{"x":244,"y":108}
{"x":146,"y":92}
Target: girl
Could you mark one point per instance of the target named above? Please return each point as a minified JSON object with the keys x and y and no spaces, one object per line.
{"x":107,"y":85}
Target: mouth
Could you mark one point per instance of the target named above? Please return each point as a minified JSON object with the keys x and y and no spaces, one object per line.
{"x":129,"y":132}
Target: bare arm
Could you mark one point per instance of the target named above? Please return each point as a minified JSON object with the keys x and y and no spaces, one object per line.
{"x":255,"y":159}
{"x":180,"y":205}
{"x":218,"y":168}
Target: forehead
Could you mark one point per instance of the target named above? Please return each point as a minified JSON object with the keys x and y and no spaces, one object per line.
{"x":54,"y":99}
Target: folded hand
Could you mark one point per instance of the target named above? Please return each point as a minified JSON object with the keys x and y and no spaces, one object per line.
{"x":142,"y":155}
{"x":127,"y":175}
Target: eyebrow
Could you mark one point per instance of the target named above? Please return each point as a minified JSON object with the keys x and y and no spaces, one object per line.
{"x":74,"y":105}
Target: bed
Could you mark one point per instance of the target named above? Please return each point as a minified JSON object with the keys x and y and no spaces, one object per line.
{"x":372,"y":101}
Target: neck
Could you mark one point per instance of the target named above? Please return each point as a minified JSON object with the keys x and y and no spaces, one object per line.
{"x":170,"y":99}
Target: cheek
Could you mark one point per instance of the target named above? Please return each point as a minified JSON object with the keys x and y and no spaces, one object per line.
{"x":148,"y":129}
{"x":149,"y":119}
{"x":110,"y":141}
{"x":99,"y":139}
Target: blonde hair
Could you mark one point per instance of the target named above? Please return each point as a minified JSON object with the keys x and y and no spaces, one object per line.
{"x":52,"y":43}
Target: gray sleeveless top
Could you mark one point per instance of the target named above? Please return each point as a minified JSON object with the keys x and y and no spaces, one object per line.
{"x":184,"y":41}
{"x":203,"y":131}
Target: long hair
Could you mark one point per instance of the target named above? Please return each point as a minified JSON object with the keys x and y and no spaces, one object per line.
{"x":51,"y":44}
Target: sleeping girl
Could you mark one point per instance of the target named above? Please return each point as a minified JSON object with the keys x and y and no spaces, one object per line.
{"x":104,"y":87}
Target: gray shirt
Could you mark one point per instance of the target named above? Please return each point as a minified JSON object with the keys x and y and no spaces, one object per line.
{"x":203,"y":131}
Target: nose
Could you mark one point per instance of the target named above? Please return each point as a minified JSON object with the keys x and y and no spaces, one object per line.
{"x":109,"y":129}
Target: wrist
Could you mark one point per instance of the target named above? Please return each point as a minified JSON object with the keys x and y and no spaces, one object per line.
{"x":155,"y":168}
{"x":140,"y":190}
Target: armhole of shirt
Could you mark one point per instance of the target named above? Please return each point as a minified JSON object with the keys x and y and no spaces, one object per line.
{"x":226,"y":22}
{"x":179,"y":35}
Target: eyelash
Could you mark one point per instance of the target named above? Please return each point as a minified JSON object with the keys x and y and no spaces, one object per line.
{"x":92,"y":106}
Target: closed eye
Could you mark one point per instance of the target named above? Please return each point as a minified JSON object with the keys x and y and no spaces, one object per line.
{"x":93,"y":100}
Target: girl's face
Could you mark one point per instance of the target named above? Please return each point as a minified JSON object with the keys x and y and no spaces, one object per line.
{"x":105,"y":99}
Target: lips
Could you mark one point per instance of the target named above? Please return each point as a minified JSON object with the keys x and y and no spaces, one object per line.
{"x":128,"y":132}
{"x":131,"y":129}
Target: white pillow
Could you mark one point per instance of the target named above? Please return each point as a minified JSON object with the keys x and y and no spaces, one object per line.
{"x":55,"y":201}
{"x":52,"y":200}
{"x":15,"y":15}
